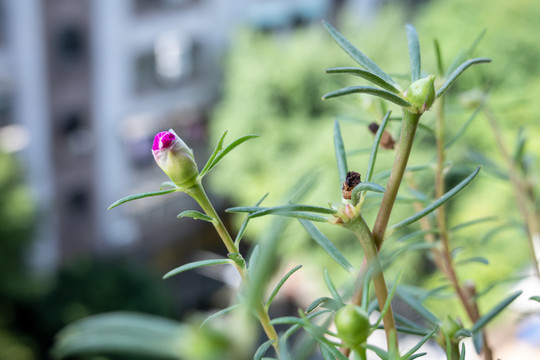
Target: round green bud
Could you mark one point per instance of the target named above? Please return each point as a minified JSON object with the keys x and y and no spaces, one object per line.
{"x":352,"y":324}
{"x":421,"y":93}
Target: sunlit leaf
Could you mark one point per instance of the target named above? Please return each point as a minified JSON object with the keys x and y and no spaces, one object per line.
{"x":368,"y":75}
{"x":327,"y":245}
{"x":197,"y":264}
{"x":140,"y":196}
{"x":341,"y":157}
{"x":261,"y":350}
{"x":280,"y":284}
{"x":442,"y":200}
{"x":357,"y":55}
{"x":195,"y":215}
{"x":464,"y":54}
{"x":122,"y":333}
{"x":387,"y":95}
{"x":332,"y":288}
{"x":220,"y":313}
{"x":414,"y":52}
{"x":227,"y":150}
{"x":245,"y":223}
{"x":478,"y":325}
{"x":365,"y":186}
{"x":419,"y":344}
{"x":218,"y":148}
{"x":456,"y":73}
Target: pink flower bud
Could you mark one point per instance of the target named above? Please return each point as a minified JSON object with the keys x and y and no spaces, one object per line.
{"x":175,"y":158}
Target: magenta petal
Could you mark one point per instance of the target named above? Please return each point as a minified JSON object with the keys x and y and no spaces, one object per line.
{"x":163,"y":140}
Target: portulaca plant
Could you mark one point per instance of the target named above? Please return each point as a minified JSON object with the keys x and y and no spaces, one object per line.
{"x":339,"y":326}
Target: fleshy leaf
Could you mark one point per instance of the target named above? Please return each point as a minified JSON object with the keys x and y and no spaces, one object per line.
{"x":245,"y":223}
{"x":219,"y":314}
{"x":417,"y":306}
{"x":364,"y":74}
{"x":456,"y":73}
{"x":365,"y":186}
{"x":414,"y":52}
{"x":195,"y":215}
{"x":218,"y":148}
{"x":440,"y":201}
{"x":478,"y":325}
{"x":341,"y":157}
{"x":438,"y":56}
{"x":280,"y":284}
{"x":140,"y":196}
{"x":263,"y":348}
{"x":357,"y":55}
{"x":331,"y":287}
{"x":122,"y":332}
{"x":535,"y":298}
{"x":221,"y":154}
{"x":327,"y":245}
{"x":197,"y":264}
{"x":387,"y":95}
{"x":419,"y":344}
{"x":375,"y":146}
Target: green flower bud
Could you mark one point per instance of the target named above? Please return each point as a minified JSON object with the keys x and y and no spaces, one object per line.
{"x":421,"y":93}
{"x":352,"y":324}
{"x":175,"y":159}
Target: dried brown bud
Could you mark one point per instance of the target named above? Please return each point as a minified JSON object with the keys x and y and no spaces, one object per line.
{"x":387,"y":142}
{"x":351,"y":180}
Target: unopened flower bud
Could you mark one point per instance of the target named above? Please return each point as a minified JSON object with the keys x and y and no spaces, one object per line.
{"x":352,"y":324}
{"x":175,"y":158}
{"x":421,"y":93}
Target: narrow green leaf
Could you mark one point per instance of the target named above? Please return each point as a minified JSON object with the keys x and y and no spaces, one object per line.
{"x":416,"y":356}
{"x":519,"y":150}
{"x":220,"y":313}
{"x":387,"y":95}
{"x":464,"y":127}
{"x":456,"y":73}
{"x":366,"y":281}
{"x":228,"y":149}
{"x":326,"y":354}
{"x":478,"y":342}
{"x":438,"y":56}
{"x":473,"y":222}
{"x":416,"y":235}
{"x":400,"y":319}
{"x":375,"y":146}
{"x":418,"y":307}
{"x":382,"y":354}
{"x":464,"y":54}
{"x":476,"y":259}
{"x":122,"y":333}
{"x":218,"y":148}
{"x":419,"y":344}
{"x":364,"y":74}
{"x":245,"y":223}
{"x":494,"y":312}
{"x":167,"y":185}
{"x":357,"y":55}
{"x":442,"y":200}
{"x":293,"y":320}
{"x":291,"y":209}
{"x":280,"y":284}
{"x":327,"y":245}
{"x":462,"y":355}
{"x":195,"y":215}
{"x":197,"y":264}
{"x":140,"y":196}
{"x":414,"y":52}
{"x":324,"y":300}
{"x":365,"y":186}
{"x":336,"y":354}
{"x":388,"y":302}
{"x":407,"y":330}
{"x":535,"y":298}
{"x":331,"y":287}
{"x":341,"y":157}
{"x":263,"y":349}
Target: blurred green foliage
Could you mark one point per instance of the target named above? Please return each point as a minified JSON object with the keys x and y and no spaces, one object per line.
{"x":273,"y":87}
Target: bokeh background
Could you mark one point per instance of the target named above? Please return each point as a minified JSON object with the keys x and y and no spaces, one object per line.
{"x":85,"y":85}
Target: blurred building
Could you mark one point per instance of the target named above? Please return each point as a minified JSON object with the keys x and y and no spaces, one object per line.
{"x":84,"y":86}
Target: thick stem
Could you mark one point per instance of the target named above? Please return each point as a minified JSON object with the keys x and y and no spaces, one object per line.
{"x":361,"y":230}
{"x":408,"y":130}
{"x":454,"y":351}
{"x":197,"y":192}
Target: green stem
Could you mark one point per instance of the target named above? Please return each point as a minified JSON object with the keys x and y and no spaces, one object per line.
{"x":454,"y":351}
{"x":408,"y":130}
{"x":198,"y":194}
{"x":359,"y":227}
